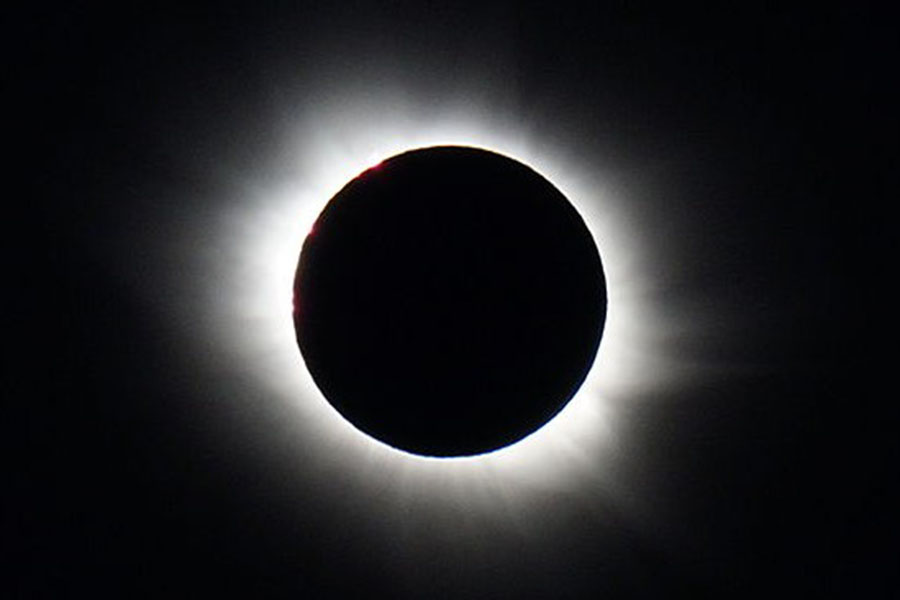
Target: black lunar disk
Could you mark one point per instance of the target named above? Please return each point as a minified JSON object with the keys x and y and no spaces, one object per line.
{"x":449,"y":301}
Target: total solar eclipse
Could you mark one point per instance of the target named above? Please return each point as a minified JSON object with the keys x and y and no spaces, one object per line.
{"x":449,"y":301}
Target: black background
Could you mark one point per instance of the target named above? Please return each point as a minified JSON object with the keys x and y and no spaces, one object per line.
{"x":766,"y":134}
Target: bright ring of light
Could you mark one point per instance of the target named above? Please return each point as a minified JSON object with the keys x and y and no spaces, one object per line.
{"x":261,"y":238}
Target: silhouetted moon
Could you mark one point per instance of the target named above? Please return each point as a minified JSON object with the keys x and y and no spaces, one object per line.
{"x":449,"y":301}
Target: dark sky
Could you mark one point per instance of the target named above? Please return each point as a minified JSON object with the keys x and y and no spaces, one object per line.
{"x":753,"y":150}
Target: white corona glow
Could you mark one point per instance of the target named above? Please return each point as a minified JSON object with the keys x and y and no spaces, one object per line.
{"x":262,"y":236}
